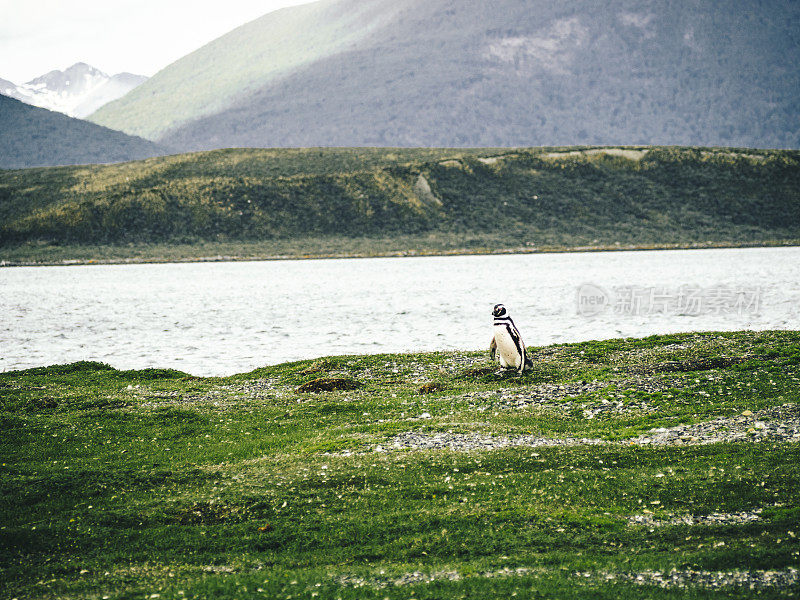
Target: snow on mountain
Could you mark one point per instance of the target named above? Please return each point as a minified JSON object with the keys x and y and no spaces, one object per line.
{"x":77,"y":91}
{"x":6,"y":86}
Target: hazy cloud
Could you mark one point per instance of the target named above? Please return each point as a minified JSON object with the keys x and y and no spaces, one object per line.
{"x":139,"y":36}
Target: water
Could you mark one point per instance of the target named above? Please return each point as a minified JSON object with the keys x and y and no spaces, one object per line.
{"x":225,"y":318}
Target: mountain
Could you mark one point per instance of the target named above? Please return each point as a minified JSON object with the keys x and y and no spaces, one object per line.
{"x":474,"y":73}
{"x":78,"y":91}
{"x":275,"y":46}
{"x":33,"y":137}
{"x":8,"y":88}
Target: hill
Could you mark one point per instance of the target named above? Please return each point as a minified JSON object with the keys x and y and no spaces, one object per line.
{"x":506,"y":73}
{"x":32,"y":137}
{"x":417,"y":199}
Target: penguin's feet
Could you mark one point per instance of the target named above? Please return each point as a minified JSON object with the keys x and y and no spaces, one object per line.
{"x":506,"y":372}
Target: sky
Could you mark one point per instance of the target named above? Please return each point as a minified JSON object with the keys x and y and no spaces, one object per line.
{"x":137,"y":36}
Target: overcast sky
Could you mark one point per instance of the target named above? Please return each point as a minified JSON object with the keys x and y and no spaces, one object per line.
{"x":138,"y":36}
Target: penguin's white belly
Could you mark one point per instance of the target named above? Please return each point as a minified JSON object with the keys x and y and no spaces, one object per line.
{"x":507,"y":351}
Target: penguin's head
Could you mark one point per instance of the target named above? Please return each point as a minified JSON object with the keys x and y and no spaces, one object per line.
{"x":499,"y":310}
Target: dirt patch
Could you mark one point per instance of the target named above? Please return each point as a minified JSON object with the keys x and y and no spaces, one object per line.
{"x":693,"y":364}
{"x":492,"y":160}
{"x":203,"y":514}
{"x":476,"y":372}
{"x":328,"y":384}
{"x":431,"y":387}
{"x":44,"y":403}
{"x":628,"y":153}
{"x":319,"y":366}
{"x":423,"y":191}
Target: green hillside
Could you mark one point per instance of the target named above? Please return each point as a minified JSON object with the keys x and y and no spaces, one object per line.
{"x":255,"y":194}
{"x":423,"y":199}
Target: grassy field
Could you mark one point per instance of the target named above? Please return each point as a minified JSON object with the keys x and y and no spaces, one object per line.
{"x":260,"y":203}
{"x":412,"y":476}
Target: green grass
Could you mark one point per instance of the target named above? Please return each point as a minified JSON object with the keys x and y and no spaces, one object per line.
{"x":132,"y":483}
{"x":383,"y":201}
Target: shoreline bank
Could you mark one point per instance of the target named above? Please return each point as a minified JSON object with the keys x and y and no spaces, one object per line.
{"x":154,"y":258}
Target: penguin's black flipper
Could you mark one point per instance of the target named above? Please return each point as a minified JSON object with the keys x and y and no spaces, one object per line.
{"x":528,"y":362}
{"x":493,"y":349}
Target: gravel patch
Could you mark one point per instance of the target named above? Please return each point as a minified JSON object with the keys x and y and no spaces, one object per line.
{"x":716,"y":518}
{"x":781,"y":423}
{"x":753,"y":580}
{"x":461,"y":442}
{"x":411,"y":578}
{"x":688,"y":578}
{"x":556,"y":397}
{"x":418,"y":577}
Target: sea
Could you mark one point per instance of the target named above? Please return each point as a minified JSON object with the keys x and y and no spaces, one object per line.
{"x":222,"y":318}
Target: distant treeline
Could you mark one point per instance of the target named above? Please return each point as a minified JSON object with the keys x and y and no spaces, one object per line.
{"x":542,"y":196}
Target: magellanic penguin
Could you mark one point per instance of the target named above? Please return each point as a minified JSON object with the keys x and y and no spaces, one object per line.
{"x":507,"y":345}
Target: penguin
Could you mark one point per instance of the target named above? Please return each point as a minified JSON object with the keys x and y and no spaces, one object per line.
{"x":507,"y":345}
